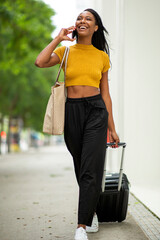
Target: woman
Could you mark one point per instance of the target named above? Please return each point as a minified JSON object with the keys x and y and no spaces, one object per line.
{"x":88,"y":109}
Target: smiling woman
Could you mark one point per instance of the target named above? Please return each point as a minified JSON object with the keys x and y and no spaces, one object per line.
{"x":86,"y":22}
{"x":88,"y":108}
{"x":91,"y":18}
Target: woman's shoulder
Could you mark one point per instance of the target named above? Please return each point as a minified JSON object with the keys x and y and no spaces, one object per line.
{"x":60,"y":49}
{"x":103,"y":53}
{"x":105,"y":56}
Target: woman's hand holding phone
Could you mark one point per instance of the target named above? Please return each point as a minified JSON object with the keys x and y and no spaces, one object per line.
{"x":63,"y":34}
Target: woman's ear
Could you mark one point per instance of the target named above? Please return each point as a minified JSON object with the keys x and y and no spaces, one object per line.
{"x":96,"y":28}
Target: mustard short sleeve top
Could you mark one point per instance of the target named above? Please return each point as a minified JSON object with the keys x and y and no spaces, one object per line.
{"x":85,"y":64}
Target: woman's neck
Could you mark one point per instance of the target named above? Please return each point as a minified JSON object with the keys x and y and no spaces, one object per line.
{"x":86,"y":41}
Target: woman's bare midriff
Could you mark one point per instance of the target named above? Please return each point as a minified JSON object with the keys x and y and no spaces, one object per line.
{"x":82,"y":91}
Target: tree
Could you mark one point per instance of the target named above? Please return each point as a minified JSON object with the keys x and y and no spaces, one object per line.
{"x":25,"y":29}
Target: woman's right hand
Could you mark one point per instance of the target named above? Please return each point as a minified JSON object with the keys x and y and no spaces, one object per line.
{"x":64,"y":32}
{"x":47,"y":58}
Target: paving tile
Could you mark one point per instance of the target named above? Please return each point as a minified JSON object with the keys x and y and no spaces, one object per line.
{"x":149,"y":223}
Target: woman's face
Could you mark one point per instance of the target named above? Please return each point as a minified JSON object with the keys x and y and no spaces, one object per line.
{"x":86,"y":24}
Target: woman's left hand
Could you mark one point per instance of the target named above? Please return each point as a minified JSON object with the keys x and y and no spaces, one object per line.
{"x":113,"y":137}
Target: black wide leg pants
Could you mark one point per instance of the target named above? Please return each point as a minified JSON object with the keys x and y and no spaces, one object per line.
{"x":85,"y":135}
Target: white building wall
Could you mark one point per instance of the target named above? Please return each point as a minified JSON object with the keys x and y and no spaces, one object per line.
{"x":135,"y":89}
{"x":142,"y":99}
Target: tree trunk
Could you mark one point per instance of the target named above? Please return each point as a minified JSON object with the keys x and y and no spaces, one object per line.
{"x":8,"y":135}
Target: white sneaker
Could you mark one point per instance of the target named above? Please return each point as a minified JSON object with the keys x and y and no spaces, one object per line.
{"x":80,"y":234}
{"x":95,"y":226}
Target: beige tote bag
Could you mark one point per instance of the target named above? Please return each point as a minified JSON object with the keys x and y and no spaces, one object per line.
{"x":54,"y":116}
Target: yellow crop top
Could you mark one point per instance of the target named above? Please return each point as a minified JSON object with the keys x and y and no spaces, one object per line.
{"x":85,"y":64}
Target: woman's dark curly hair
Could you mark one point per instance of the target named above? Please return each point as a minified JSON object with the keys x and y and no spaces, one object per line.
{"x":98,"y":39}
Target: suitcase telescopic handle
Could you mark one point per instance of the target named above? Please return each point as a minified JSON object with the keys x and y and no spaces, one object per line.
{"x":120,"y":144}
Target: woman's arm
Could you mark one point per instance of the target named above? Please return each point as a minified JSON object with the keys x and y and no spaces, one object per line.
{"x":104,"y":89}
{"x":47,"y":58}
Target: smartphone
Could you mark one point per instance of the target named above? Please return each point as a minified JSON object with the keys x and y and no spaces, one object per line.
{"x":74,"y":33}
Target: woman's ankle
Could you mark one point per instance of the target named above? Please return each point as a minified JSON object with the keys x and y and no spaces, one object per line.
{"x":81,"y":225}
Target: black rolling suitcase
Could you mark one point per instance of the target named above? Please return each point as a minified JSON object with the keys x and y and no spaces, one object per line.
{"x":113,"y":202}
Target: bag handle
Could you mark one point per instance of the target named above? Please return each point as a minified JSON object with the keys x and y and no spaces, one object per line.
{"x":66,"y":52}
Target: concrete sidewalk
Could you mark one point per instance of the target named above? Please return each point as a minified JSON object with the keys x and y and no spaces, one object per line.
{"x":39,"y":199}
